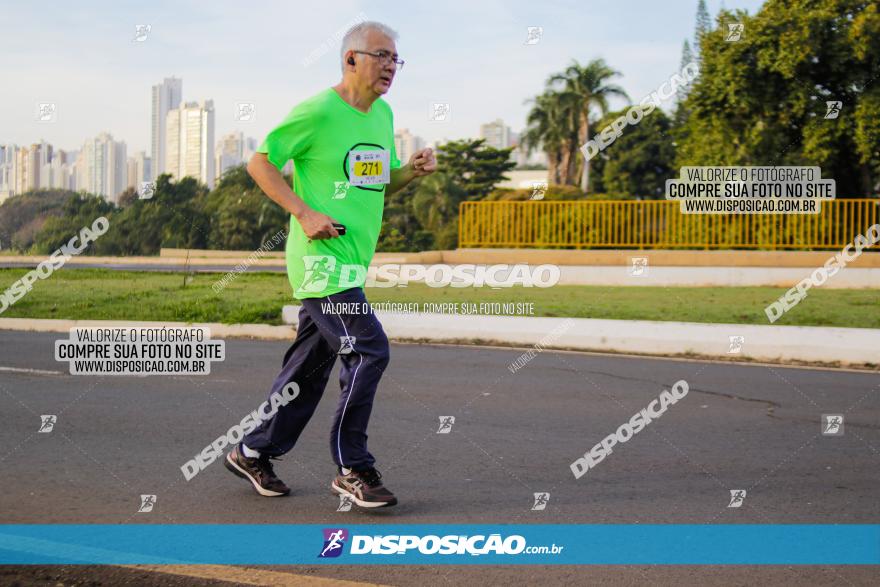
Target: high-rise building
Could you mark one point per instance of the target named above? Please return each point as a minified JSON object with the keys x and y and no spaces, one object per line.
{"x":7,"y":171}
{"x":497,"y":134}
{"x":406,"y":143}
{"x":131,"y":173}
{"x":59,"y":173}
{"x":166,"y":97}
{"x":139,"y":169}
{"x":22,"y":173}
{"x":189,"y":151}
{"x":101,"y":167}
{"x":232,"y":149}
{"x":29,"y":162}
{"x":70,"y":163}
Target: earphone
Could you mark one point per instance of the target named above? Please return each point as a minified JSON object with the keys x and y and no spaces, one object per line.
{"x":351,"y":60}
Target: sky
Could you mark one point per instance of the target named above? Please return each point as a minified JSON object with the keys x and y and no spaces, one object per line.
{"x":470,"y":54}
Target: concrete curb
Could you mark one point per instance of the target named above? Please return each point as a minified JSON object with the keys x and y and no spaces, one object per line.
{"x":847,"y":346}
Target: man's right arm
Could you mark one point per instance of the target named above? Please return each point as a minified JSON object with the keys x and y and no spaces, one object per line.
{"x":314,"y":224}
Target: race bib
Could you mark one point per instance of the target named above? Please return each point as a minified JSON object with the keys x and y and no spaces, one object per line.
{"x":369,"y":167}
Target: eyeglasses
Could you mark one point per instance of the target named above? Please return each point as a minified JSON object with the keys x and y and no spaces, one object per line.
{"x":385,"y":57}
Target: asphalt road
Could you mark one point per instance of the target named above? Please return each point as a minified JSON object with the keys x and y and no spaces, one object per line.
{"x":741,"y":426}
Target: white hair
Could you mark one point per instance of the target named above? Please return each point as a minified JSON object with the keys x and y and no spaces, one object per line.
{"x":356,"y":37}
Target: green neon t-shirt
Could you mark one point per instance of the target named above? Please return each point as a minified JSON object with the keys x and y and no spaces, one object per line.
{"x":324,"y":135}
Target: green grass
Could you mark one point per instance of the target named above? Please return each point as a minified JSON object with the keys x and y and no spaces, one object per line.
{"x":101,"y":294}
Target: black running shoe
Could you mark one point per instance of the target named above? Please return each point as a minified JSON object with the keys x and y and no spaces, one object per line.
{"x":258,"y":471}
{"x":364,"y":488}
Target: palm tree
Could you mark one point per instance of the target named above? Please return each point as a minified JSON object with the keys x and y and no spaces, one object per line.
{"x":586,"y":85}
{"x":551,"y":126}
{"x":543,"y":131}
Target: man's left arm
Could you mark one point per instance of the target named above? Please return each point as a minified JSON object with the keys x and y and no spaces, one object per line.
{"x":422,"y":163}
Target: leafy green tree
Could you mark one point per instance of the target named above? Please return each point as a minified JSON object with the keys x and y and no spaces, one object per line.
{"x":401,"y":229}
{"x":22,"y":216}
{"x":687,"y":55}
{"x":435,"y":205}
{"x":763,"y":99}
{"x":79,"y":211}
{"x":172,"y":218}
{"x":127,"y":197}
{"x":640,"y":161}
{"x":424,"y":215}
{"x":703,"y":26}
{"x":242,"y":216}
{"x":475,"y":166}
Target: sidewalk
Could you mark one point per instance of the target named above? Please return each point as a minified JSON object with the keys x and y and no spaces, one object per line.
{"x":855,"y":347}
{"x":809,"y":344}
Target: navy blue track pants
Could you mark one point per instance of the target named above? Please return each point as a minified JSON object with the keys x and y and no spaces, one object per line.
{"x":356,"y":337}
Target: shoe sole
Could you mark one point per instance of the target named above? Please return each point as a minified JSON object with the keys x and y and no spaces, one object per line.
{"x":364,"y":504}
{"x":239,"y":472}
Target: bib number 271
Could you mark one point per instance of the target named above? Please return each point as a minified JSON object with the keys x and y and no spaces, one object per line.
{"x":369,"y":167}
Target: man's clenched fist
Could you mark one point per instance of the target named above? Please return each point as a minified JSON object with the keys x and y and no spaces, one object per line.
{"x":423,"y":162}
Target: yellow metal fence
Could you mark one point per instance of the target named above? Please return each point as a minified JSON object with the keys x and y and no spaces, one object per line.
{"x":657,"y":224}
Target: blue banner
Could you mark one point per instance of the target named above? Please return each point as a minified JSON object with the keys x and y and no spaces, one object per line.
{"x":489,"y":544}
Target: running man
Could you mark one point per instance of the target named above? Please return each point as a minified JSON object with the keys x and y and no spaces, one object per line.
{"x":342,"y":144}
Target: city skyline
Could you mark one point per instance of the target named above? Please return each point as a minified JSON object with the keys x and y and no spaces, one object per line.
{"x":182,"y":145}
{"x":475,"y":58}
